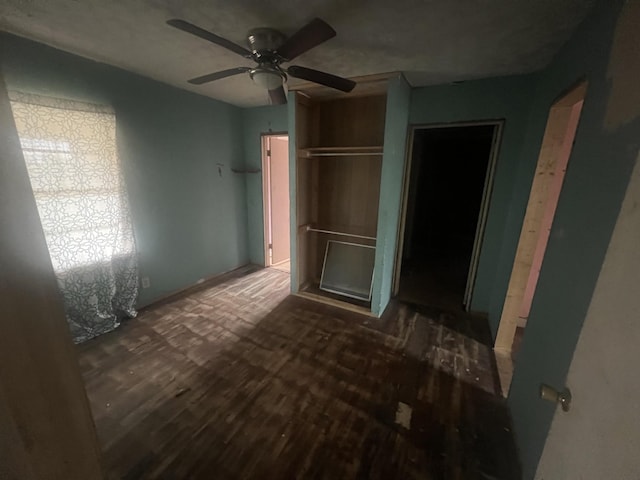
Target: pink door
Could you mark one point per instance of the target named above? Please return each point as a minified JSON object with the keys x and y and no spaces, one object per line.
{"x":279,"y":192}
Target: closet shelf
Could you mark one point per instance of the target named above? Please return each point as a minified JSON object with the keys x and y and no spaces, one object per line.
{"x":341,"y":151}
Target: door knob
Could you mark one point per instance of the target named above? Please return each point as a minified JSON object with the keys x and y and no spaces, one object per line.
{"x":552,"y":395}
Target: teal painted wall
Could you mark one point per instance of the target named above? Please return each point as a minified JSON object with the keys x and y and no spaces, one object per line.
{"x":391,"y":183}
{"x":190,"y":222}
{"x":598,"y":174}
{"x":507,"y":98}
{"x":256,"y":121}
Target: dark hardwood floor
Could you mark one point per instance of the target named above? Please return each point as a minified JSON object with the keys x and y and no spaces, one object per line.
{"x":242,"y":380}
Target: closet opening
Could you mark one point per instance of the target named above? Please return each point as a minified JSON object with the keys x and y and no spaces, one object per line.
{"x":447,"y":188}
{"x":339,"y":150}
{"x":275,"y":182}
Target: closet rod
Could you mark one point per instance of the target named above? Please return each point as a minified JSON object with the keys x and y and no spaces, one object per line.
{"x":344,"y":154}
{"x":342,"y":234}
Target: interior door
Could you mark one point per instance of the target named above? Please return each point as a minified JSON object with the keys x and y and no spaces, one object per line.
{"x":45,"y":420}
{"x":279,"y":192}
{"x":599,"y":437}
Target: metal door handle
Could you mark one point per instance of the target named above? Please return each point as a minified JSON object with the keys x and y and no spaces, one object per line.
{"x":552,"y":395}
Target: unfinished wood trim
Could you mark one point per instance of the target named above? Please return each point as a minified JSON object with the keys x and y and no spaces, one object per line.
{"x":554,"y":153}
{"x":551,"y":145}
{"x":572,"y":95}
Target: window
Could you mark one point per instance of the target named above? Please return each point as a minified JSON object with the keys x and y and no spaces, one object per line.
{"x":72,"y":159}
{"x":71,"y":156}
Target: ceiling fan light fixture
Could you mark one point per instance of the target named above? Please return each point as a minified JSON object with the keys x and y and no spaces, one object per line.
{"x":267,"y":79}
{"x":269,"y":49}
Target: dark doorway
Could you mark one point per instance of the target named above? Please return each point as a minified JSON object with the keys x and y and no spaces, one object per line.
{"x":446,"y":187}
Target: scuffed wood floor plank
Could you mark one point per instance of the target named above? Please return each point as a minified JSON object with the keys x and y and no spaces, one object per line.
{"x":242,"y":380}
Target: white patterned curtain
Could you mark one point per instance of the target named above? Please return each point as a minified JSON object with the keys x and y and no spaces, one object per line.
{"x":71,"y":155}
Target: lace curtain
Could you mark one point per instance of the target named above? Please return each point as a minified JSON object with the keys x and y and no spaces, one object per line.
{"x":71,"y":156}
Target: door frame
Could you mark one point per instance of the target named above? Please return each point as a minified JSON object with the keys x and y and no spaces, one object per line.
{"x":496,"y":142}
{"x":266,"y":191}
{"x":558,"y":126}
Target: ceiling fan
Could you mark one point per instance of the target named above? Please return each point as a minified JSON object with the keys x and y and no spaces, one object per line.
{"x":270,"y":49}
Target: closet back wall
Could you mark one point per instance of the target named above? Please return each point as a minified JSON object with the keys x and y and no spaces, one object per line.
{"x":177,"y":149}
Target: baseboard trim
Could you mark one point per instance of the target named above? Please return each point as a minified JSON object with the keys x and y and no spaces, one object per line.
{"x":208,"y":282}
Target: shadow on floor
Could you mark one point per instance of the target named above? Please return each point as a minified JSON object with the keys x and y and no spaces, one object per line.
{"x":243,"y":380}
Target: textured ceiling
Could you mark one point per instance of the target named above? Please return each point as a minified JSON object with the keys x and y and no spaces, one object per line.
{"x":432,"y":41}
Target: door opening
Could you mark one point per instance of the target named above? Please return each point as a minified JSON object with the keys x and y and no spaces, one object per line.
{"x":447,"y":188}
{"x":553,"y":160}
{"x":275,"y":183}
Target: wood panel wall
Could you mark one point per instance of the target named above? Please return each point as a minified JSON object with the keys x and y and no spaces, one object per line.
{"x":339,"y":193}
{"x":349,"y":122}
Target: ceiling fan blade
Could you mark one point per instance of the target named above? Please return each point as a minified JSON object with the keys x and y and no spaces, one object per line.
{"x":326,"y":79}
{"x":212,"y":37}
{"x":311,"y":35}
{"x":210,"y":77}
{"x":278,"y":96}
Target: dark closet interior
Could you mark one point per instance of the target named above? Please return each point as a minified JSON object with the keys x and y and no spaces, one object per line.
{"x":447,"y":180}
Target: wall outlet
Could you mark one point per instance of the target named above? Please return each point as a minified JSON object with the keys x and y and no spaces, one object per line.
{"x":146,"y":283}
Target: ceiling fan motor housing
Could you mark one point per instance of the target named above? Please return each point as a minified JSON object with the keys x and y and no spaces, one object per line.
{"x":263,"y":42}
